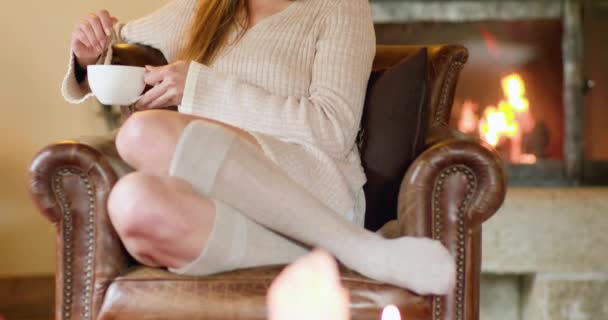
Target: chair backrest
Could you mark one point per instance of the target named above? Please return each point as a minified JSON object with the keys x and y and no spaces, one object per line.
{"x":445,"y":63}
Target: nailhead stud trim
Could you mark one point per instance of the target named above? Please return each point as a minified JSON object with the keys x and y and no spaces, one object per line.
{"x":455,"y":67}
{"x":438,"y":227}
{"x":68,"y":245}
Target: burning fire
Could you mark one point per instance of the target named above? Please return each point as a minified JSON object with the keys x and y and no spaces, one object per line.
{"x":504,"y":123}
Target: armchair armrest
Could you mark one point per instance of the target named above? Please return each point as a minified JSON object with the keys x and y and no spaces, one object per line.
{"x":70,"y":182}
{"x":447,"y":193}
{"x":453,"y":167}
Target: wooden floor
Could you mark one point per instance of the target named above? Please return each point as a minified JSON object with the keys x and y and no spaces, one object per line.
{"x":27,"y":298}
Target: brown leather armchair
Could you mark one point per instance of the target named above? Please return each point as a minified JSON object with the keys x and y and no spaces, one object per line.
{"x":453,"y":186}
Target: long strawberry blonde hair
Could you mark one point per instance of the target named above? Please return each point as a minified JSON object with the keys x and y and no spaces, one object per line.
{"x":210,"y":28}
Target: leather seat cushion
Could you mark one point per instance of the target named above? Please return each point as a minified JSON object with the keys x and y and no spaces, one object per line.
{"x":146,"y":293}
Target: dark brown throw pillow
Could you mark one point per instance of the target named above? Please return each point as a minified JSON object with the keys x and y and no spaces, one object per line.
{"x":394,"y":126}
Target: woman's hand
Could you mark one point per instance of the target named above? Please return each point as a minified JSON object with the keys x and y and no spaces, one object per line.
{"x":168,"y":86}
{"x":91,"y":36}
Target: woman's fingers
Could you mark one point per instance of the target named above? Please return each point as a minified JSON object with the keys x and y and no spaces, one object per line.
{"x":150,"y":96}
{"x":154,"y":75}
{"x":168,"y":86}
{"x":88,"y":31}
{"x":91,"y":36}
{"x":82,"y":38}
{"x":100,"y":34}
{"x":163,"y":101}
{"x":107,"y":21}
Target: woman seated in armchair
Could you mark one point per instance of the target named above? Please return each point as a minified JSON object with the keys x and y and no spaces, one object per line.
{"x":260,"y":163}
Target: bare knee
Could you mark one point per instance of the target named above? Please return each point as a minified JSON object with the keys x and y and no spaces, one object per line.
{"x":145,"y":136}
{"x":158,"y":219}
{"x":132,"y":134}
{"x":126,"y":203}
{"x":131,"y":206}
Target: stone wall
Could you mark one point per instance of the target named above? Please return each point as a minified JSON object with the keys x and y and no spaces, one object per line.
{"x":545,"y":256}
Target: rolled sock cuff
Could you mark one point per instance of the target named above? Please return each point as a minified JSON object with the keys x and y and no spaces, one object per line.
{"x":200,"y":153}
{"x":225,"y":248}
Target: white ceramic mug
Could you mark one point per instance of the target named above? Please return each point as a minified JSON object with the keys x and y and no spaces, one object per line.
{"x":116,"y":85}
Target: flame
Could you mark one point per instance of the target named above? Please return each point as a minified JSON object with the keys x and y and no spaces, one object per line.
{"x":515,"y":91}
{"x":497,"y":123}
{"x":391,"y":313}
{"x":508,"y":121}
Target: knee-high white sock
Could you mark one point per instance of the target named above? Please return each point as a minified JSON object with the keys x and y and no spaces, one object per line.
{"x":236,"y":242}
{"x":225,"y":167}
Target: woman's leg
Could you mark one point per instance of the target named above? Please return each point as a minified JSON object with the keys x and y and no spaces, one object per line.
{"x":163,"y":222}
{"x":222,"y":163}
{"x":147,"y":140}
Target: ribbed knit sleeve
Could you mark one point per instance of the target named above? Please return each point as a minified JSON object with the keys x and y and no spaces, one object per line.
{"x":72,"y":91}
{"x":328,"y":117}
{"x":164,"y":29}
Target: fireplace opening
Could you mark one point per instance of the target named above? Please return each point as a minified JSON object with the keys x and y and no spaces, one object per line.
{"x":512,"y":91}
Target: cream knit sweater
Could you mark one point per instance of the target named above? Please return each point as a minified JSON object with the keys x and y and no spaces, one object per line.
{"x":296,"y":81}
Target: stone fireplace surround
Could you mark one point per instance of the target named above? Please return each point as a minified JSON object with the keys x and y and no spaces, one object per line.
{"x":545,"y":253}
{"x":545,"y":256}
